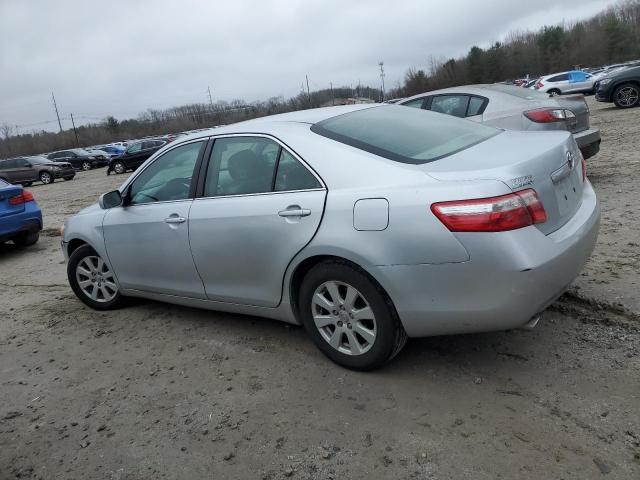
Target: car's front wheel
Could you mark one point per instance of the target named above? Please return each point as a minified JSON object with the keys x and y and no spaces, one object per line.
{"x":119,"y":168}
{"x":349,"y":317}
{"x":92,"y":280}
{"x":46,"y":178}
{"x":554,"y":92}
{"x":626,"y":96}
{"x":86,"y":166}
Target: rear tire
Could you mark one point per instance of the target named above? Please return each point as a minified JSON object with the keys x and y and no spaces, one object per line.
{"x":554,"y":92}
{"x":27,"y":184}
{"x":119,"y":168}
{"x":68,"y":178}
{"x":92,"y":280}
{"x":46,"y":178}
{"x":26,"y":239}
{"x":86,"y":166}
{"x":626,"y":95}
{"x":359,"y":329}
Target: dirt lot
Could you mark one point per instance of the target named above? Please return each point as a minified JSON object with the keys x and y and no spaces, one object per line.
{"x":159,"y":391}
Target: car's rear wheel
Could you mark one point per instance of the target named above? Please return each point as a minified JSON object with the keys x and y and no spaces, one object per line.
{"x":27,"y":184}
{"x":554,"y":92}
{"x":349,"y":316}
{"x":26,"y":239}
{"x":92,"y":280}
{"x":626,"y":95}
{"x":119,"y":168}
{"x":86,"y":166}
{"x":46,"y":178}
{"x":69,"y":178}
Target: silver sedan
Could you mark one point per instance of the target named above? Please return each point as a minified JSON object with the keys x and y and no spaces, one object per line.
{"x":514,"y":108}
{"x":366,"y":224}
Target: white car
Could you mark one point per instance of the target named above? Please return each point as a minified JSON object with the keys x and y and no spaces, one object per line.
{"x":575,"y":81}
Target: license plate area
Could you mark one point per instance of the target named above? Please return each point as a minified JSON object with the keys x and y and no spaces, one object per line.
{"x":567,"y":194}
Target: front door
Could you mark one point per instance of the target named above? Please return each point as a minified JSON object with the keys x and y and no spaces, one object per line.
{"x":147,"y":239}
{"x":261,"y":206}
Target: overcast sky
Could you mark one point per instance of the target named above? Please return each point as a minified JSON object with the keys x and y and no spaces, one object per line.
{"x":120,"y":57}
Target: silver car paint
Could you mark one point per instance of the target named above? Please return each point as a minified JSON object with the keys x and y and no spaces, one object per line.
{"x":437,"y":280}
{"x":506,"y":111}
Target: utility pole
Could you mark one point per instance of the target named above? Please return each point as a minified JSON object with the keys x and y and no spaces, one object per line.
{"x":332,"y":97}
{"x":57,"y":114}
{"x":75,"y":131}
{"x":382,"y":78}
{"x":308,"y":92}
{"x":210,"y":99}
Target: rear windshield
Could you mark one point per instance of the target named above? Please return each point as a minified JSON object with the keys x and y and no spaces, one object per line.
{"x":407,"y":135}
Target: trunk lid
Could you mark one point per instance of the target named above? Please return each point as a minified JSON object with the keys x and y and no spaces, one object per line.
{"x":6,"y":208}
{"x":578,"y":105}
{"x":548,"y":162}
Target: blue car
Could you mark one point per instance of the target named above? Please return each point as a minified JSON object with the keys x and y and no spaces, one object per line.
{"x":113,"y":150}
{"x":20,"y":215}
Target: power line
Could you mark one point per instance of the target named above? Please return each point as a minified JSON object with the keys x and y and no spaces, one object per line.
{"x":57,"y":114}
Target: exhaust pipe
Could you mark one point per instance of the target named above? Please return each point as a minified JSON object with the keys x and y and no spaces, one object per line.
{"x":531,"y":324}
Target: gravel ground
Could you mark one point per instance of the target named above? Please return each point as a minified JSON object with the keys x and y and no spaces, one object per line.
{"x":159,"y":391}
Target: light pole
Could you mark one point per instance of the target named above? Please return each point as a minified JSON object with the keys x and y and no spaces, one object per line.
{"x":382,"y":78}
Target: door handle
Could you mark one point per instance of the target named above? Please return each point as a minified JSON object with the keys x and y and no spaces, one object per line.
{"x":175,"y":219}
{"x":295,"y":212}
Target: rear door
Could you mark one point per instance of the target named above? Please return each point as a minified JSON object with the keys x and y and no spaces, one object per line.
{"x":8,"y":170}
{"x":25,"y":171}
{"x":260,"y":205}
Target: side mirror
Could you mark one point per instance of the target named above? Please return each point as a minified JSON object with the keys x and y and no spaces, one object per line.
{"x":110,"y":200}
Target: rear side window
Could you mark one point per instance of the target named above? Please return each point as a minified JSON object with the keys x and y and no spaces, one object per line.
{"x":455,"y":105}
{"x":559,"y":78}
{"x":476,"y":105}
{"x":414,"y":103}
{"x":292,"y":175}
{"x":406,"y":135}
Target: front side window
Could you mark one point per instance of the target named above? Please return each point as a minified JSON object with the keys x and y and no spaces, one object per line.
{"x":168,"y":177}
{"x":455,"y":105}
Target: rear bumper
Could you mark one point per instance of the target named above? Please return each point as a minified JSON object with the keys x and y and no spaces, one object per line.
{"x":29,"y":220}
{"x":588,"y":141}
{"x":510,"y":277}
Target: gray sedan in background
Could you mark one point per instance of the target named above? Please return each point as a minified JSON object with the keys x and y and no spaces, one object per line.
{"x":514,"y":108}
{"x":367,"y":224}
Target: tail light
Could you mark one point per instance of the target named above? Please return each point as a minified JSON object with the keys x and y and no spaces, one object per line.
{"x":584,"y":170}
{"x":548,"y":115}
{"x":494,"y":214}
{"x":24,"y":197}
{"x":539,"y":84}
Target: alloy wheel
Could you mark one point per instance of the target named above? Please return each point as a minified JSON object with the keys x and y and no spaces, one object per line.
{"x":627,"y":96}
{"x":118,"y":168}
{"x":96,"y":279}
{"x":344,"y":318}
{"x":86,"y":166}
{"x":45,"y":177}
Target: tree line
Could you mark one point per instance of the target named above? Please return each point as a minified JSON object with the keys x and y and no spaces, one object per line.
{"x":608,"y":37}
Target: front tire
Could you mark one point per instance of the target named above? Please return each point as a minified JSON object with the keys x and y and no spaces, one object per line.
{"x":92,"y":280}
{"x":349,"y":317}
{"x":554,"y":92}
{"x":86,"y":166}
{"x":46,"y":178}
{"x":626,"y":95}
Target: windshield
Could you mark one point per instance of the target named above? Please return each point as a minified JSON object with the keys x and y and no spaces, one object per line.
{"x":406,"y":135}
